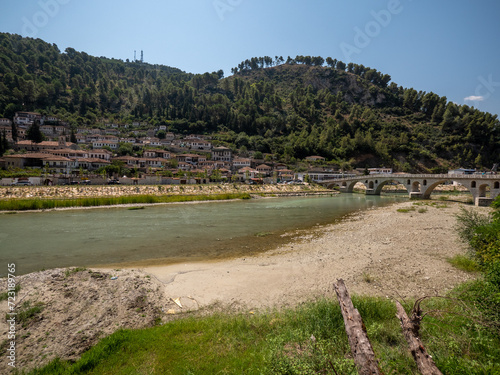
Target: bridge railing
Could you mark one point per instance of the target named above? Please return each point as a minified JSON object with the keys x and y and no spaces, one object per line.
{"x":418,"y":176}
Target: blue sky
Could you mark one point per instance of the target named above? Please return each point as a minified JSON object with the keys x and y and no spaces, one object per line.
{"x":448,"y":47}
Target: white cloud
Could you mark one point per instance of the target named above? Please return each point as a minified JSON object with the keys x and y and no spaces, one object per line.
{"x":474,"y":98}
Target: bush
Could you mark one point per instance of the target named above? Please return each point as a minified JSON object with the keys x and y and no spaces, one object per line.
{"x":468,"y":221}
{"x":486,"y":243}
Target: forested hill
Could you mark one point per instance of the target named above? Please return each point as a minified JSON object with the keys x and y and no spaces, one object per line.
{"x":292,"y":108}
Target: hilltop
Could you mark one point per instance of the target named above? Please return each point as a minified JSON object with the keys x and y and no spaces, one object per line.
{"x":352,"y":115}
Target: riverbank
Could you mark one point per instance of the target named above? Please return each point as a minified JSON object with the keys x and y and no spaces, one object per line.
{"x":399,"y":251}
{"x":64,"y":197}
{"x":81,"y":191}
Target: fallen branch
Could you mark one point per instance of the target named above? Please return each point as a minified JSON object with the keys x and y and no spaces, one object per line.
{"x":411,"y":328}
{"x":361,"y":349}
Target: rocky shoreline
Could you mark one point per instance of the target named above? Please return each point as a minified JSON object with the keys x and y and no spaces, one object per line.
{"x":71,"y":192}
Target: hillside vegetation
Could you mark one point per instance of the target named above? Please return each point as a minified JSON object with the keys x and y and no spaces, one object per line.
{"x":350,"y":114}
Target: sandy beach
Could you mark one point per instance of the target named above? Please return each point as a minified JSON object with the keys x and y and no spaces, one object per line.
{"x":380,"y":252}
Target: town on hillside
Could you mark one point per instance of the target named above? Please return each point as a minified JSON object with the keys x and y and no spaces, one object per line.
{"x":138,"y":153}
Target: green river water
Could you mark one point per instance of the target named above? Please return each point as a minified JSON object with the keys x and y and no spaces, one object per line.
{"x":165,"y":233}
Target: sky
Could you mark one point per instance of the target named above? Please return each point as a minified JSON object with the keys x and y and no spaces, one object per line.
{"x":448,"y":47}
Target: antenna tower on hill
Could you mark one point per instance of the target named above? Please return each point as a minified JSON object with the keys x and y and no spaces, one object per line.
{"x":142,"y":56}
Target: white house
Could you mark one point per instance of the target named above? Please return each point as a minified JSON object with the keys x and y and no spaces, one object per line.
{"x":101,"y":144}
{"x":222,"y":154}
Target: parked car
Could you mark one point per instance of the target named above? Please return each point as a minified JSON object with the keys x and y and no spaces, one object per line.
{"x":113,"y":181}
{"x":85,"y":182}
{"x":22,"y":183}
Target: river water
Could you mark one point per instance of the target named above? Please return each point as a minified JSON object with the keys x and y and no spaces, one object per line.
{"x":164,"y":233}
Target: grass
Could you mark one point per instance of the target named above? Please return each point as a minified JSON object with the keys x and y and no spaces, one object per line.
{"x":263,"y":234}
{"x":406,"y":210}
{"x":5,"y":296}
{"x":26,"y":313}
{"x":367,"y":278}
{"x":431,"y":204}
{"x":464,"y":263}
{"x":71,"y":271}
{"x":309,"y":339}
{"x":44,"y":204}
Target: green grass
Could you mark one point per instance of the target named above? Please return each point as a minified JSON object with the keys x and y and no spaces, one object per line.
{"x":431,"y":204}
{"x":263,"y":234}
{"x":309,"y":339}
{"x":464,"y":263}
{"x":44,"y":204}
{"x":71,"y":271}
{"x":27,"y":312}
{"x":5,"y":296}
{"x":406,"y":210}
{"x":367,"y":278}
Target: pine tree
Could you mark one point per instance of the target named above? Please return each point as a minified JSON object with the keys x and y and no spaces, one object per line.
{"x":2,"y":150}
{"x":73,"y":137}
{"x":34,"y":133}
{"x":14,"y":132}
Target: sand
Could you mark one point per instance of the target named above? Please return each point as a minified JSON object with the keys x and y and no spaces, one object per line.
{"x":379,"y":252}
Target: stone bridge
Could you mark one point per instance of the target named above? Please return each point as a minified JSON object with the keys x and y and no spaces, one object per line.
{"x":422,"y":185}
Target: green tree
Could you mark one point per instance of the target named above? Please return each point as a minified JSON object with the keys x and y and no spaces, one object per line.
{"x":72,"y":138}
{"x":34,"y":133}
{"x":14,"y":132}
{"x":216,"y":175}
{"x":2,"y":148}
{"x":125,"y":148}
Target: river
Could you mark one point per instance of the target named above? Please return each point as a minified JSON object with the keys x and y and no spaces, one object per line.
{"x":165,"y":233}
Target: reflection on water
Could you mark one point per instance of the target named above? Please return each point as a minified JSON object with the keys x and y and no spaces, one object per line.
{"x":165,"y":233}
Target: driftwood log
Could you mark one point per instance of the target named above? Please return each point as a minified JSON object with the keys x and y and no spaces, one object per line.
{"x":361,"y":349}
{"x":410,"y":327}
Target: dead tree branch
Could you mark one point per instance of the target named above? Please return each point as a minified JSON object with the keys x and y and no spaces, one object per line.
{"x":361,"y":348}
{"x":411,"y":327}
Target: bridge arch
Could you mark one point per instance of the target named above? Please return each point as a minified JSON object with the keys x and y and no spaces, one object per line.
{"x":385,"y":182}
{"x":346,"y":186}
{"x":428,"y":191}
{"x":415,"y":187}
{"x":482,"y":190}
{"x":332,"y":185}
